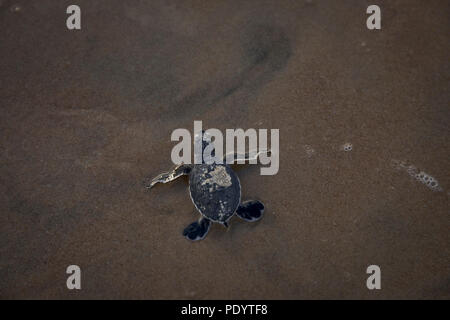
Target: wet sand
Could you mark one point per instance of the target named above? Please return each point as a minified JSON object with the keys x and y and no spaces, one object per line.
{"x":87,"y":115}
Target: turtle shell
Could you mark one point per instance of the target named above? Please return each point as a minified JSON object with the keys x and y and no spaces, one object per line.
{"x":215,"y":191}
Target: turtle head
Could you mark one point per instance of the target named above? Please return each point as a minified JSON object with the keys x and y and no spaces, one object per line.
{"x":207,"y":148}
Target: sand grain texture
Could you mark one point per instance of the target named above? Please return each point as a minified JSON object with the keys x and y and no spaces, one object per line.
{"x":87,"y":115}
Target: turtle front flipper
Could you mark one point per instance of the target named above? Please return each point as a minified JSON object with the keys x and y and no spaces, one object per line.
{"x":197,"y":230}
{"x":250,"y":210}
{"x":165,"y":177}
{"x":232,"y":157}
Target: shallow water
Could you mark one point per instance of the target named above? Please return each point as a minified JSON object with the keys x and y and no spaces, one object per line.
{"x":87,"y":115}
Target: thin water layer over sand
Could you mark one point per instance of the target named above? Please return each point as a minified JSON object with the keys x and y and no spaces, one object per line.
{"x":87,"y":115}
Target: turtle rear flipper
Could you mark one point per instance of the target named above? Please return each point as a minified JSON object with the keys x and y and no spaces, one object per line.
{"x":197,"y":230}
{"x":250,"y":210}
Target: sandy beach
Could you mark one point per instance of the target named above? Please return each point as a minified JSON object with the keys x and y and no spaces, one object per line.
{"x":87,"y":116}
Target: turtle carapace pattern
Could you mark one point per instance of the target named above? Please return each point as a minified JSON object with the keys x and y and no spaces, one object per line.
{"x":215,"y":191}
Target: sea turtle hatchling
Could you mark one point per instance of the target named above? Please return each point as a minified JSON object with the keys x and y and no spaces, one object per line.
{"x":215,"y":191}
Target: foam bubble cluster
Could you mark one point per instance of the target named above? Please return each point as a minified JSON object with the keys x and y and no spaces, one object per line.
{"x":309,"y":150}
{"x":428,"y":180}
{"x":419,"y":175}
{"x":347,"y":147}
